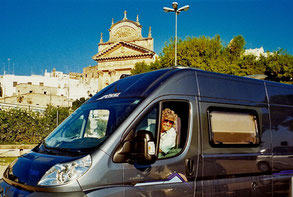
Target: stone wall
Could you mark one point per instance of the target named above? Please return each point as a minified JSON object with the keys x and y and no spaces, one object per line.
{"x":25,"y":88}
{"x":36,"y":99}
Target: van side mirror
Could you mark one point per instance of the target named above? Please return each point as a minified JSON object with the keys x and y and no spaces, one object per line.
{"x":144,"y":148}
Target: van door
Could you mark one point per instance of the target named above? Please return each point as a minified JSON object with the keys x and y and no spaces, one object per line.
{"x":281,"y":113}
{"x":173,"y":173}
{"x":236,"y":150}
{"x":282,"y":127}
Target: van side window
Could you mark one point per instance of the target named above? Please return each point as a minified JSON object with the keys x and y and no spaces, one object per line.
{"x":233,"y":127}
{"x":149,"y":122}
{"x":173,"y":128}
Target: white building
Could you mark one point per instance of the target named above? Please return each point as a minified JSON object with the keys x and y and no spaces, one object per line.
{"x":54,"y":84}
{"x":257,"y":52}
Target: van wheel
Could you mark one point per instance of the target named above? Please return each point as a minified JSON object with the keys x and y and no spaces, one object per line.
{"x":263,"y":166}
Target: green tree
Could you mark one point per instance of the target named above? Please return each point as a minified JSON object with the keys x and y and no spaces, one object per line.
{"x":236,"y":47}
{"x":78,"y":102}
{"x":140,"y":67}
{"x":279,"y":67}
{"x":18,"y":126}
{"x":167,"y":57}
{"x":203,"y":53}
{"x":211,"y":55}
{"x":251,"y":65}
{"x":53,"y":116}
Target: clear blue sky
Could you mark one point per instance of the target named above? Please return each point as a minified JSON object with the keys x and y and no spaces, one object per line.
{"x":64,"y":34}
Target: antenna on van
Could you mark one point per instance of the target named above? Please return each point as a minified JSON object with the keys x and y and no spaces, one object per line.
{"x":257,"y":76}
{"x":180,"y":67}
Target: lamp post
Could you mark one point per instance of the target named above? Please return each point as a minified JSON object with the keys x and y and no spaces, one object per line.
{"x":177,"y":11}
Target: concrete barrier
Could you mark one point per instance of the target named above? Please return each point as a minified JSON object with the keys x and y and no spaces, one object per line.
{"x":13,"y":152}
{"x":20,"y":146}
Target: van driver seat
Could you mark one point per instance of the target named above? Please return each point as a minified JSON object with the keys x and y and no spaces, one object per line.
{"x":178,"y":132}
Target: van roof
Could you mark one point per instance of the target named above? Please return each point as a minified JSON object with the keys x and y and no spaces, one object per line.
{"x":204,"y":84}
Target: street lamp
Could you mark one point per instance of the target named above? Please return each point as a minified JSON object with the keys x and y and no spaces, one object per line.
{"x":177,"y":11}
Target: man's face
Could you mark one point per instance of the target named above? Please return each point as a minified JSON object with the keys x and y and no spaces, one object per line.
{"x":167,"y":123}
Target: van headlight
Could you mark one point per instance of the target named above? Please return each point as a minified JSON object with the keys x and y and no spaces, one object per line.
{"x":66,"y":172}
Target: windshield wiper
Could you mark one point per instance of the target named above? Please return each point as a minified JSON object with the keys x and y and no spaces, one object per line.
{"x":58,"y":151}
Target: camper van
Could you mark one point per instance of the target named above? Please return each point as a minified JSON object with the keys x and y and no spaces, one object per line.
{"x":171,"y":132}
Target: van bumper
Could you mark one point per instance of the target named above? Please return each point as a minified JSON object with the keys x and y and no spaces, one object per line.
{"x":9,"y":190}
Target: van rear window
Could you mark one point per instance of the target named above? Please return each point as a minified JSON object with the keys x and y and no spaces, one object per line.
{"x":232,"y":127}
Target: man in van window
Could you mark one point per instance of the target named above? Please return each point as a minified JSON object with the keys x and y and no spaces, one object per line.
{"x":168,"y":133}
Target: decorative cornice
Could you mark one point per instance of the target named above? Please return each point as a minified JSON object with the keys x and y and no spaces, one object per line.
{"x":145,"y":51}
{"x":123,"y":58}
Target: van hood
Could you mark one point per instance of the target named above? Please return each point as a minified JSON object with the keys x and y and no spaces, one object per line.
{"x":30,"y":168}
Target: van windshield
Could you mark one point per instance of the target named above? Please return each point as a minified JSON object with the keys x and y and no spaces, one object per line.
{"x":91,"y":124}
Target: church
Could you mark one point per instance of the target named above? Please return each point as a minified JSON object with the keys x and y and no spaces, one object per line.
{"x":118,"y":55}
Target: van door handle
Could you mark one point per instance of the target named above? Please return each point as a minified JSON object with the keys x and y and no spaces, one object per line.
{"x":253,"y":185}
{"x":189,"y":167}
